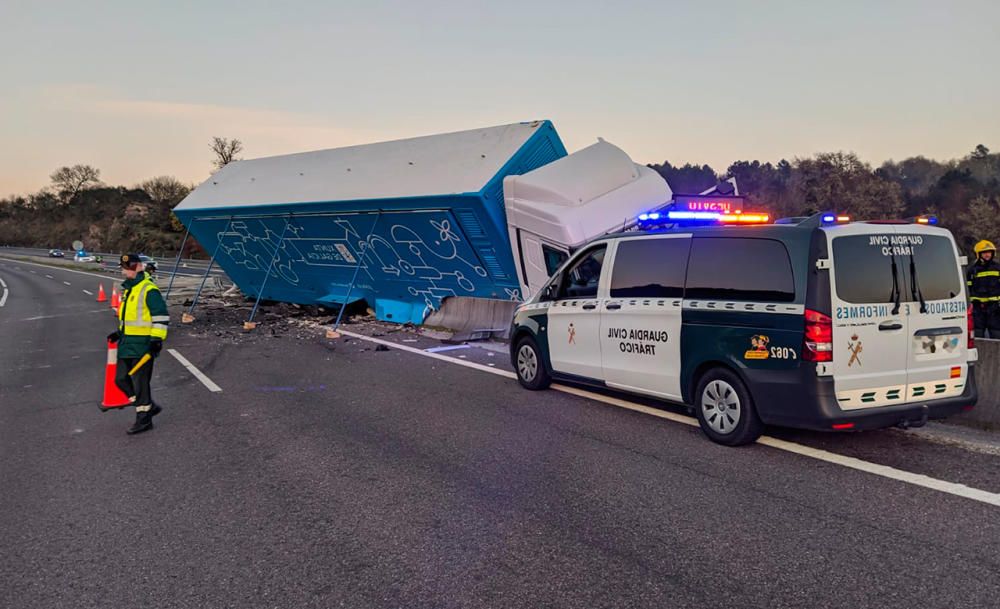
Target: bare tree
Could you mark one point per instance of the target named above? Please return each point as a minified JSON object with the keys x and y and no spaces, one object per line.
{"x":71,"y":180}
{"x":166,"y":190}
{"x":225,"y":151}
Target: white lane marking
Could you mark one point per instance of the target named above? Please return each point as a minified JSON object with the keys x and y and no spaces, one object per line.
{"x":37,"y":317}
{"x":67,"y":283}
{"x":952,"y":488}
{"x":49,"y":277}
{"x":107,"y":276}
{"x":3,"y":297}
{"x":198,"y":374}
{"x":444,"y":358}
{"x":88,"y":292}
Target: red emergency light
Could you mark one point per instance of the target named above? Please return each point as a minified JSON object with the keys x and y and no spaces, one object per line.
{"x":744,"y":218}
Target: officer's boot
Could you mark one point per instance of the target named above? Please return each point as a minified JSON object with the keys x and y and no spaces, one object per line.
{"x":143,"y":421}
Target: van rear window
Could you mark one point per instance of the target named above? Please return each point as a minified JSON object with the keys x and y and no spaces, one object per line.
{"x":863,"y":267}
{"x":938,"y":275}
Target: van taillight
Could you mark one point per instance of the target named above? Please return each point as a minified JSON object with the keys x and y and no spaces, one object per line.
{"x":818,"y":338}
{"x":972,"y":328}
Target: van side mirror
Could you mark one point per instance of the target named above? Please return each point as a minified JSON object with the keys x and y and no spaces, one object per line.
{"x":549,"y":293}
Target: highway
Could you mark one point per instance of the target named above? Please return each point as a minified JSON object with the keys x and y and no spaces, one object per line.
{"x":165,"y":266}
{"x":333,"y":473}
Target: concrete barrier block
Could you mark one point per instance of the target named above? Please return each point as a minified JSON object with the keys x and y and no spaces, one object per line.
{"x":986,"y":414}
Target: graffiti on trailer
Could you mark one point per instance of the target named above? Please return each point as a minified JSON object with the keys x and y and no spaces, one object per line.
{"x":428,"y":255}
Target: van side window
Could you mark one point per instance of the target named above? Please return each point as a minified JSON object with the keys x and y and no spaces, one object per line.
{"x":650,"y":268}
{"x":553,"y":259}
{"x":581,"y":279}
{"x":734,"y":268}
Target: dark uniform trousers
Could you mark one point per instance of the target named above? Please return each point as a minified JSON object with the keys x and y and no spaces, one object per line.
{"x":136,"y":386}
{"x":986,"y":319}
{"x":983,"y":279}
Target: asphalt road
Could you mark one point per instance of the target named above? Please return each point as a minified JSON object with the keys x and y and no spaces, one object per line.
{"x":332,"y":474}
{"x":165,"y":266}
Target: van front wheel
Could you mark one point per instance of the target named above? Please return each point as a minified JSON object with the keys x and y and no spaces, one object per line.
{"x":530,"y":366}
{"x":725,"y":409}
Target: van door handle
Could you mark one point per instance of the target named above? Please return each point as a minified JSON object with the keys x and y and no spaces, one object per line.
{"x":889,"y":325}
{"x":613,"y":306}
{"x":589,"y":306}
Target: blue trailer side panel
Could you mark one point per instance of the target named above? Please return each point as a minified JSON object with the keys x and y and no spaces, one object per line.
{"x":407,"y":253}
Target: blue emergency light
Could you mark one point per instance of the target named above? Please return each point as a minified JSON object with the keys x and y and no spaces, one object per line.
{"x":693,"y":215}
{"x":833,"y":218}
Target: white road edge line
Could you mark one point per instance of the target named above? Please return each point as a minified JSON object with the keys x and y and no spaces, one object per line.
{"x":108,"y":277}
{"x":952,"y":488}
{"x":198,"y":374}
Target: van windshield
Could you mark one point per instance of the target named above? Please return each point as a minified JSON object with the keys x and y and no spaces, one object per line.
{"x":863,"y":267}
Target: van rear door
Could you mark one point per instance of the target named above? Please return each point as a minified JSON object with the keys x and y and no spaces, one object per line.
{"x":937,"y":365}
{"x":871,"y":339}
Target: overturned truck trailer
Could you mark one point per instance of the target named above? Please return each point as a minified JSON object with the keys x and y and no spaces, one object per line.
{"x":403,"y":225}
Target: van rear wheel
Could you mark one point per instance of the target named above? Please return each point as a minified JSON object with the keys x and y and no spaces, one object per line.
{"x":725,"y":409}
{"x":530,"y":367}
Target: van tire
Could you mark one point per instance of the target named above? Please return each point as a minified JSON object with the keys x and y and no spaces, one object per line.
{"x":725,"y":409}
{"x":529,"y":365}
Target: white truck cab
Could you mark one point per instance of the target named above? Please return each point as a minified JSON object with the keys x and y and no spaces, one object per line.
{"x":558,"y":207}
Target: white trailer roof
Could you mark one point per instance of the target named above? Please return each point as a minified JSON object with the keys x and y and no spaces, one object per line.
{"x":574,"y":199}
{"x":448,"y":163}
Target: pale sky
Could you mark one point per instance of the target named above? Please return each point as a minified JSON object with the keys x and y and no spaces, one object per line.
{"x":138,"y":88}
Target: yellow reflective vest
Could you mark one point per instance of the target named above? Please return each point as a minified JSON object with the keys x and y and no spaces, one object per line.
{"x":142,"y":316}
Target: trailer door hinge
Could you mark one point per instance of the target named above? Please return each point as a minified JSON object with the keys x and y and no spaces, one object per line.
{"x":823,"y":264}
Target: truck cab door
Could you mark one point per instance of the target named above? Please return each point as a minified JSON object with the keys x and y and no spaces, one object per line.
{"x":536,"y":259}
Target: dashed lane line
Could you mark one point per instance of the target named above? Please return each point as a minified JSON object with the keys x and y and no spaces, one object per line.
{"x":3,"y":295}
{"x":49,"y":277}
{"x":952,"y":488}
{"x":106,"y":277}
{"x":198,"y":374}
{"x":88,"y":292}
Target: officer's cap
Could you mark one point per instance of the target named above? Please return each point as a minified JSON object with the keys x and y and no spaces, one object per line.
{"x":129,"y":260}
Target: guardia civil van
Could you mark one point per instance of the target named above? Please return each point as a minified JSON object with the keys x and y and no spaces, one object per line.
{"x":817,"y":323}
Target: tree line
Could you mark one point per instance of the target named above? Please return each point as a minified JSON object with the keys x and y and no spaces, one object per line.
{"x":78,"y":206}
{"x":964,"y":193}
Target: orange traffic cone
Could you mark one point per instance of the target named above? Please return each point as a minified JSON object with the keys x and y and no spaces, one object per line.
{"x":113,"y":396}
{"x":114,"y":298}
{"x":101,"y":296}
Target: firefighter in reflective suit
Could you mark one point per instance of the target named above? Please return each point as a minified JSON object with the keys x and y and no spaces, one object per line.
{"x":983,"y":280}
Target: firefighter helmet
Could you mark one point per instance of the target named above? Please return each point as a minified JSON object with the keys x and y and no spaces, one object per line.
{"x":984,"y":246}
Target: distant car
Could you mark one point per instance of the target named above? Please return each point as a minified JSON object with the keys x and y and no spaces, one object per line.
{"x":56,"y":254}
{"x":84,"y":258}
{"x":149,"y":263}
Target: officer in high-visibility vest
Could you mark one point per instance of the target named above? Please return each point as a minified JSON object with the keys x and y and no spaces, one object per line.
{"x":142,"y":328}
{"x":983,"y":280}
